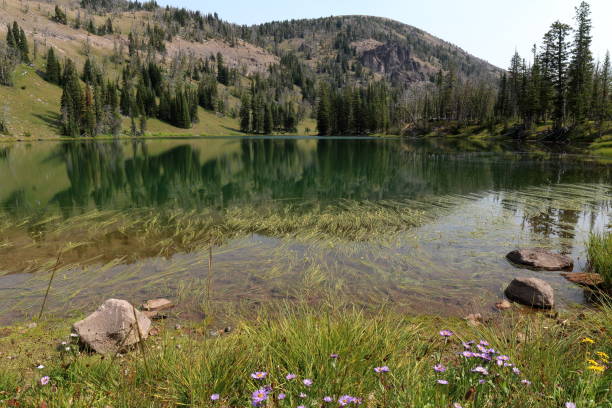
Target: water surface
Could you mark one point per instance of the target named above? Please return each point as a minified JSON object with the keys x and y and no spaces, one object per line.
{"x":423,"y":226}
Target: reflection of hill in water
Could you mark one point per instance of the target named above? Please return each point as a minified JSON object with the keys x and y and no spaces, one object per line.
{"x":119,"y":175}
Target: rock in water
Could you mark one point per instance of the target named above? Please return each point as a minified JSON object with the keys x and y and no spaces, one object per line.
{"x":112,"y":326}
{"x":503,"y":305}
{"x":531,"y":292}
{"x":542,"y":259}
{"x":157,"y":305}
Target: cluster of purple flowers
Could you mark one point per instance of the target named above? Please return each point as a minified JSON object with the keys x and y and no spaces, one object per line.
{"x":261,"y":395}
{"x":484,"y":352}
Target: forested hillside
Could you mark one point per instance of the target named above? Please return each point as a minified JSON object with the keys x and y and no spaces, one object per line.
{"x":135,"y":68}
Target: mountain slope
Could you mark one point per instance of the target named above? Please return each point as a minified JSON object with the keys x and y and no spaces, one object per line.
{"x":293,"y":56}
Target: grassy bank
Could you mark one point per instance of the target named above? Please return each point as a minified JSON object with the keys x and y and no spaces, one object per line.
{"x":599,"y":250}
{"x":553,"y":361}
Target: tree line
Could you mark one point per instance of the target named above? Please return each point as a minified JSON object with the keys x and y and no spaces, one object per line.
{"x":562,"y":85}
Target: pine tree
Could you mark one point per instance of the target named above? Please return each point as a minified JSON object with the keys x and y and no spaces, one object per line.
{"x":89,"y":120}
{"x":245,"y":114}
{"x":268,"y":120}
{"x":603,"y":102}
{"x":324,"y":112}
{"x":72,"y":103}
{"x":23,"y":47}
{"x":89,"y":76}
{"x":222,"y":74}
{"x":52,"y":73}
{"x":558,"y":46}
{"x":10,"y":38}
{"x":581,"y":66}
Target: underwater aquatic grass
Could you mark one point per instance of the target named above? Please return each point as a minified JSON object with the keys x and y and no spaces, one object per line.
{"x":99,"y":236}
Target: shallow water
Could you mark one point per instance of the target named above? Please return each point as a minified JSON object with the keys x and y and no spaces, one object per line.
{"x":423,"y":226}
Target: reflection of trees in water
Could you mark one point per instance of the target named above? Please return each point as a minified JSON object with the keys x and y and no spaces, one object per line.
{"x":116,"y":175}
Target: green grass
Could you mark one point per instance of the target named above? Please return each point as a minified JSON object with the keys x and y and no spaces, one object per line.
{"x":185,"y":367}
{"x":599,"y":250}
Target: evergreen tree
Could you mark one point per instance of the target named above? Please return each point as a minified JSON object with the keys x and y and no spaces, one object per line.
{"x":60,"y":17}
{"x":324,"y":112}
{"x":89,"y":120}
{"x":23,"y":47}
{"x":556,"y":42}
{"x":222,"y":72}
{"x":245,"y":114}
{"x":581,"y":66}
{"x":72,"y":103}
{"x":268,"y":120}
{"x":10,"y":38}
{"x":53,"y":70}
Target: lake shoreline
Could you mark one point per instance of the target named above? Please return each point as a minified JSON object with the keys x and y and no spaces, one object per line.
{"x":188,"y":362}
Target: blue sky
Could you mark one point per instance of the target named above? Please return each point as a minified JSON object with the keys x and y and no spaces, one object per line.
{"x":490,"y":29}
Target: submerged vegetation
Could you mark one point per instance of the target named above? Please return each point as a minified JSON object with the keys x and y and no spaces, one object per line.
{"x":327,"y":356}
{"x":98,"y":236}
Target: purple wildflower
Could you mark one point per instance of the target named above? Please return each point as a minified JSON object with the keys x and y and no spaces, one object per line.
{"x":301,"y":406}
{"x":480,"y":370}
{"x":526,"y":382}
{"x":307,"y":382}
{"x":383,"y":369}
{"x":484,"y":343}
{"x":570,"y":405}
{"x":40,"y":367}
{"x":259,"y":396}
{"x":290,"y":376}
{"x":467,"y":345}
{"x":45,"y":380}
{"x":439,"y":368}
{"x":281,"y":396}
{"x":345,"y":400}
{"x":443,"y":382}
{"x":259,"y":375}
{"x":334,"y":356}
{"x":481,"y":381}
{"x":446,"y":333}
{"x":214,"y":397}
{"x":302,"y":395}
{"x":516,"y":370}
{"x":457,"y":405}
{"x":327,"y":399}
{"x":467,"y":354}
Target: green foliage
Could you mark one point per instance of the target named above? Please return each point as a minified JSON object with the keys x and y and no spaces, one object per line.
{"x":60,"y":16}
{"x":599,"y":249}
{"x":53,"y":72}
{"x":8,"y":62}
{"x":182,"y":367}
{"x":17,"y":41}
{"x":562,"y":85}
{"x":245,"y":114}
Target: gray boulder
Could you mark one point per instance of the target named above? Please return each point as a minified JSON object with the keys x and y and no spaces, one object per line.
{"x":531,"y":292}
{"x":538,"y":258}
{"x":112,"y":327}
